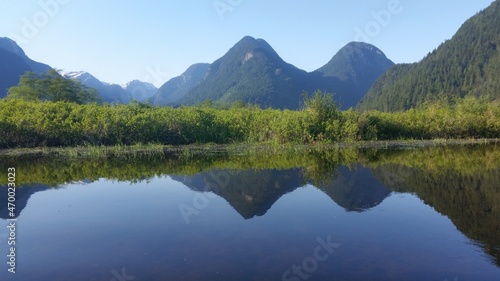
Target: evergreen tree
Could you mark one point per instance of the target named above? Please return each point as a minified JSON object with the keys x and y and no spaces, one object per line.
{"x":466,"y":65}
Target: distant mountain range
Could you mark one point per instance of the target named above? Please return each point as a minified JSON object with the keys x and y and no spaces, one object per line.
{"x":108,"y":92}
{"x":14,"y":63}
{"x":134,"y":90}
{"x":466,"y":65}
{"x":139,"y":90}
{"x":252,"y":72}
{"x":358,"y":75}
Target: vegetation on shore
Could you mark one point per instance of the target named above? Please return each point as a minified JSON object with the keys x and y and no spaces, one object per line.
{"x":31,"y":123}
{"x":319,"y":163}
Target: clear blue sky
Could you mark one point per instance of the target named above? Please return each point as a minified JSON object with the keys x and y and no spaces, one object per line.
{"x":121,"y":40}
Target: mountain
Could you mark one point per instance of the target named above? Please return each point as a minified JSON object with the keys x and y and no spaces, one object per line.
{"x":112,"y":93}
{"x":176,"y":88}
{"x":140,"y":91}
{"x":251,"y":72}
{"x":466,"y":65}
{"x":14,"y":63}
{"x":351,"y":72}
{"x":11,"y":46}
{"x":11,"y":68}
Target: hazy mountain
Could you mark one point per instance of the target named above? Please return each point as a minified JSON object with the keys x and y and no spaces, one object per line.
{"x":468,"y":64}
{"x":11,"y":68}
{"x":14,"y":63}
{"x":176,"y":88}
{"x":11,"y":46}
{"x":251,"y":72}
{"x":351,"y":72}
{"x":140,"y":91}
{"x":112,"y":93}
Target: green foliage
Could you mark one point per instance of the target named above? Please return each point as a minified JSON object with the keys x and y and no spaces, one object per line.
{"x":466,"y":65}
{"x":464,"y":118}
{"x":25,"y":123}
{"x":53,"y":87}
{"x":325,"y":117}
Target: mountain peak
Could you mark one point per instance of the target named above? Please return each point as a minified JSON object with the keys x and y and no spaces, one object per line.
{"x":108,"y":92}
{"x":362,"y":47}
{"x":137,"y":83}
{"x":356,"y":65}
{"x":248,"y":46}
{"x":353,"y":60}
{"x":83,"y":76}
{"x":251,"y":72}
{"x":139,"y":90}
{"x":11,"y":46}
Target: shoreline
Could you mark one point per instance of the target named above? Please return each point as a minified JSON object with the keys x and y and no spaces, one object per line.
{"x":106,"y":151}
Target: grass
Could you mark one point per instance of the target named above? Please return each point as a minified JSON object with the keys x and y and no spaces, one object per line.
{"x":236,"y":149}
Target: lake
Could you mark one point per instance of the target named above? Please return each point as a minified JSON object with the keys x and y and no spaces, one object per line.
{"x":421,"y":213}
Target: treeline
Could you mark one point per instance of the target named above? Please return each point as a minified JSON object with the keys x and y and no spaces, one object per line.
{"x":25,"y":123}
{"x":466,"y":65}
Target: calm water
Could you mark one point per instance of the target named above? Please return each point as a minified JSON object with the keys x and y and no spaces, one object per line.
{"x":429,"y":214}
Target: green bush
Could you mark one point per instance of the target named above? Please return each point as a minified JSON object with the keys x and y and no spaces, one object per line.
{"x":26,"y":123}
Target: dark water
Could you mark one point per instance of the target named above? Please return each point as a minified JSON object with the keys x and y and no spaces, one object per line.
{"x":424,"y":214}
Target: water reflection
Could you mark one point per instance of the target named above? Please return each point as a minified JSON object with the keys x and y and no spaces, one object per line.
{"x":356,"y":189}
{"x":250,"y":192}
{"x":471,"y":201}
{"x":253,"y":192}
{"x":265,"y":215}
{"x":22,"y":197}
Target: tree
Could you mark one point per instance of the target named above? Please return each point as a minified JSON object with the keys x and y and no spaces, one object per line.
{"x":322,"y":104}
{"x":325,"y":116}
{"x":53,"y":87}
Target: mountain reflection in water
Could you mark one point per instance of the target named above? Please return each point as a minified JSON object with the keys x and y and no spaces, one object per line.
{"x":459,"y":183}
